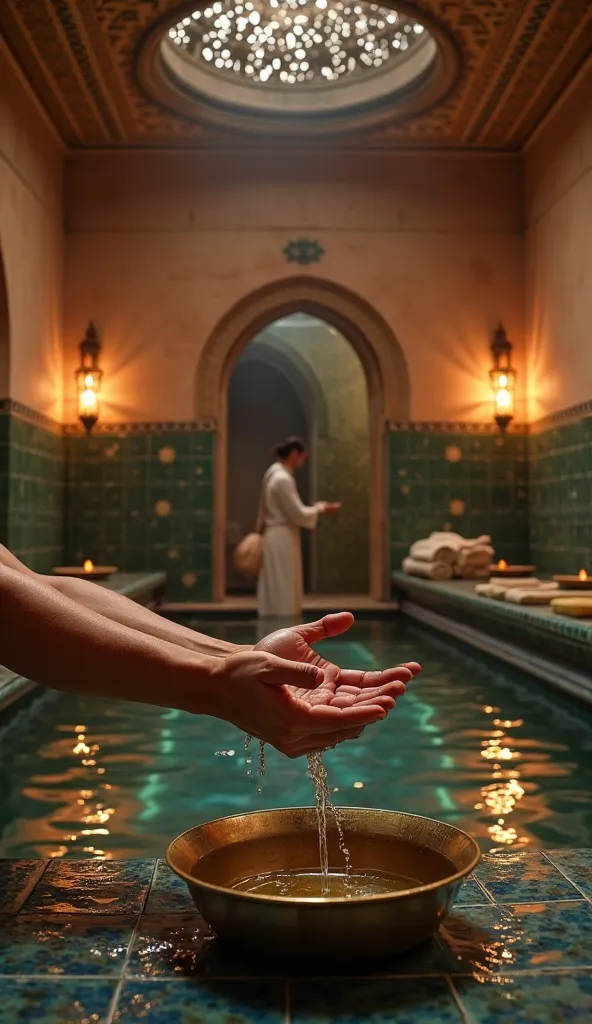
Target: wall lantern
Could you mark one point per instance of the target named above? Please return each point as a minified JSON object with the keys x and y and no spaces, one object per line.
{"x":88,"y":377}
{"x":503,"y":379}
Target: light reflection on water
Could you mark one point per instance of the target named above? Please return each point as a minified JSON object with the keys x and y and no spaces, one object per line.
{"x":472,"y":742}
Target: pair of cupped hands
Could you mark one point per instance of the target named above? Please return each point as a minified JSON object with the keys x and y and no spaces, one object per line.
{"x":285,"y":693}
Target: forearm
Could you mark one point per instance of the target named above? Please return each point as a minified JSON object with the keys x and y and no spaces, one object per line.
{"x":49,"y":638}
{"x":121,"y":609}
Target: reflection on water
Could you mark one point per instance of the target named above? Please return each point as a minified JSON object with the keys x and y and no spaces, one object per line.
{"x":472,"y":742}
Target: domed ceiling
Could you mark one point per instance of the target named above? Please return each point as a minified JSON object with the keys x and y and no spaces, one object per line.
{"x":478,"y":74}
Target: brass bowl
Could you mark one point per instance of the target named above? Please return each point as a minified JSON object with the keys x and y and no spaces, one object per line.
{"x":211,"y":858}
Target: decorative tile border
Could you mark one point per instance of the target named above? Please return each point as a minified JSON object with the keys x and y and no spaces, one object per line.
{"x":9,"y":407}
{"x":449,"y":427}
{"x":150,"y":427}
{"x":562,"y":417}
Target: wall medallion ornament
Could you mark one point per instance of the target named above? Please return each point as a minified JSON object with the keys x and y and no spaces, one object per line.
{"x":303,"y":251}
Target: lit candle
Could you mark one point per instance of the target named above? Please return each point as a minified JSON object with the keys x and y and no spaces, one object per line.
{"x":502,"y":564}
{"x":582,"y":575}
{"x":88,"y":566}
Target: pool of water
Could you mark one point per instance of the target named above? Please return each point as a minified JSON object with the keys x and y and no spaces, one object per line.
{"x":472,"y":742}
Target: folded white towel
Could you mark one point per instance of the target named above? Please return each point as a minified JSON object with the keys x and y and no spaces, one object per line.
{"x":521,"y":582}
{"x":428,"y":570}
{"x":481,"y":555}
{"x":486,"y":590}
{"x":432,"y":551}
{"x":542,"y":595}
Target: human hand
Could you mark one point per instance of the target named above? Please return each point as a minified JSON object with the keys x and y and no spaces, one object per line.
{"x":332,"y":508}
{"x":341,"y":688}
{"x":274,"y":699}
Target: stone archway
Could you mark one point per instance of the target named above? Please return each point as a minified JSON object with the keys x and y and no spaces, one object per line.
{"x":386,"y":375}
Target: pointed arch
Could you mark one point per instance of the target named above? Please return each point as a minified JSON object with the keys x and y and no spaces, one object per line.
{"x":386,"y":373}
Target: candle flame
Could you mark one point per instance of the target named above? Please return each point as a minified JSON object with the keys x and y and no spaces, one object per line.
{"x":88,"y":566}
{"x":502,"y":564}
{"x":583,"y":575}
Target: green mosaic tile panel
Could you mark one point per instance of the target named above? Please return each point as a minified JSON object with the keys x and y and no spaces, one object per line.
{"x":471,"y":483}
{"x":31,"y":491}
{"x":561,"y":497}
{"x":144,"y":501}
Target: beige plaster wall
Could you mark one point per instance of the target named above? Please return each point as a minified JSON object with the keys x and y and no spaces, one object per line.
{"x":31,"y":243}
{"x":160,"y":247}
{"x":558,"y":174}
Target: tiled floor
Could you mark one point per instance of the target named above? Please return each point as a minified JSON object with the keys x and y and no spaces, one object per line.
{"x":111,"y":942}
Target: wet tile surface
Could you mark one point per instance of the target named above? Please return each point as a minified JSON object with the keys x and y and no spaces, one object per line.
{"x":529,"y":999}
{"x":577,"y":865}
{"x":193,"y":1002}
{"x":93,"y":887}
{"x":17,"y":880}
{"x":425,"y":1001}
{"x":524,"y":878}
{"x":68,"y":944}
{"x":168,"y":893}
{"x":115,"y":942}
{"x":54,"y":1001}
{"x":495,"y":940}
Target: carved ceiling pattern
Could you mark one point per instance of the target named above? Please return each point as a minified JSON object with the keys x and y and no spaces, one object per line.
{"x":516,"y":58}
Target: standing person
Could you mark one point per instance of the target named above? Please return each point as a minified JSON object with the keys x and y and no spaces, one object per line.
{"x":283,"y":515}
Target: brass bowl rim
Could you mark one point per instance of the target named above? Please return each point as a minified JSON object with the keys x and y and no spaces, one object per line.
{"x":314,"y":900}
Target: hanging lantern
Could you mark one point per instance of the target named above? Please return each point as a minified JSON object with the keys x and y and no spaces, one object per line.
{"x":503,"y":379}
{"x":88,"y":377}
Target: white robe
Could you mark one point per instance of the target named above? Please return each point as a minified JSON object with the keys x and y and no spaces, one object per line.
{"x":279,"y":589}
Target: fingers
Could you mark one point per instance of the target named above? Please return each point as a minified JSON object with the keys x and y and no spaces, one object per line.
{"x":353,"y":677}
{"x":279,"y":672}
{"x":328,"y":626}
{"x":413,"y":666}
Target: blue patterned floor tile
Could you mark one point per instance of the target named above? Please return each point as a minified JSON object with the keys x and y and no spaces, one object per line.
{"x":64,"y":945}
{"x":173,"y":944}
{"x":523,"y":878}
{"x":92,"y":887}
{"x":498,"y":940}
{"x":193,"y":1002}
{"x":54,"y":1001}
{"x":168,"y":893}
{"x":577,"y":865}
{"x":529,"y":999}
{"x":471,"y":895}
{"x":17,"y":879}
{"x":421,"y":1001}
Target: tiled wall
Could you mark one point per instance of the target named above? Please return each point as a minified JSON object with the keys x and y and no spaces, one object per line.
{"x":142,"y":498}
{"x":560,"y":456}
{"x":31,"y":487}
{"x":460,"y":478}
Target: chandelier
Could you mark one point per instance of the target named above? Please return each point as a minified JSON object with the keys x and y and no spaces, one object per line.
{"x":290,"y":42}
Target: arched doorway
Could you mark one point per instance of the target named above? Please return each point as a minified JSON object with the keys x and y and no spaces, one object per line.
{"x":387,"y":380}
{"x":301,"y":376}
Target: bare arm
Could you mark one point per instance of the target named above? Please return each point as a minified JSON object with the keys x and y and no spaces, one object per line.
{"x":121,"y":609}
{"x":56,"y":642}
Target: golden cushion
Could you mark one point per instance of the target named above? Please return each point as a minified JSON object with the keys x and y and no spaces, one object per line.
{"x":577,"y":607}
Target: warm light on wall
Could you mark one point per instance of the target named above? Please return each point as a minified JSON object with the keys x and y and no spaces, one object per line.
{"x":88,"y":377}
{"x":503,"y":379}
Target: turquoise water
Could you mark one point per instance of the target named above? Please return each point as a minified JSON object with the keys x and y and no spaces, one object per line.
{"x":472,"y":742}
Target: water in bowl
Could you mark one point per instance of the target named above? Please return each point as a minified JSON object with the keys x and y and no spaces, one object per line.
{"x":311,"y":883}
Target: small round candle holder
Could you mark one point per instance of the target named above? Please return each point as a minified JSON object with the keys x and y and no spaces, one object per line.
{"x":97,"y":572}
{"x":510,"y":571}
{"x":579,"y":581}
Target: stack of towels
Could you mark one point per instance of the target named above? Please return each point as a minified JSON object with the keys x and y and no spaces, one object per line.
{"x":527,"y":590}
{"x":442,"y":556}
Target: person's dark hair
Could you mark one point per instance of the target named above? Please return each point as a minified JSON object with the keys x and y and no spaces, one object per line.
{"x":284,"y":449}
